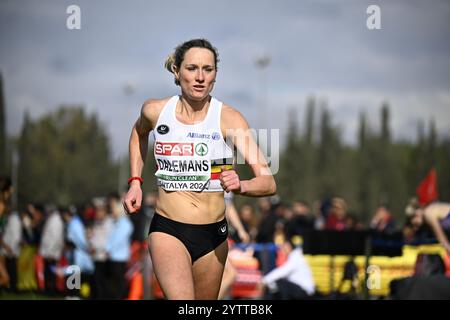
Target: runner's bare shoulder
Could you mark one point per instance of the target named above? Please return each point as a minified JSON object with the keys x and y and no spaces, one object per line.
{"x":440,"y":210}
{"x":151,"y":109}
{"x":232,"y":118}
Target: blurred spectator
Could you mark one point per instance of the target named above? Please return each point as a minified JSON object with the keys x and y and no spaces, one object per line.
{"x":301,"y":209}
{"x":6,"y":191}
{"x":51,"y":247}
{"x":319,"y":217}
{"x":248,"y":218}
{"x":408,"y":231}
{"x":352,"y":222}
{"x":266,"y":227}
{"x":10,"y":246}
{"x":279,"y":233}
{"x":271,"y":213}
{"x":325,"y":208}
{"x":415,"y":230}
{"x":382,"y":220}
{"x":287,"y":213}
{"x":291,"y":280}
{"x":118,"y":248}
{"x":5,"y":196}
{"x":97,"y":246}
{"x":435,"y":216}
{"x":284,"y":215}
{"x":88,"y":213}
{"x":26,"y":263}
{"x":77,"y":244}
{"x":350,"y":274}
{"x":37,"y":221}
{"x":264,"y":205}
{"x":337,"y":215}
{"x":302,"y":220}
{"x":27,"y":227}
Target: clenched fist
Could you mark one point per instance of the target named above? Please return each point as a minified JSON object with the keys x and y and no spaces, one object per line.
{"x":229,"y":180}
{"x":133,"y":199}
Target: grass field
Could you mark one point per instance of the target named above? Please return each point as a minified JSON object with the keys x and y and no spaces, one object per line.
{"x":25,"y":296}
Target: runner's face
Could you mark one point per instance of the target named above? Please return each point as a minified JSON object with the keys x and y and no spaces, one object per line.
{"x":197,"y":73}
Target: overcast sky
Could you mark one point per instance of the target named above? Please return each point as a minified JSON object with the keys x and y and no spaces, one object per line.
{"x":319,"y":48}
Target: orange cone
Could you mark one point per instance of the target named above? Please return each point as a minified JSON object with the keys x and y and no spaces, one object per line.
{"x":136,"y":287}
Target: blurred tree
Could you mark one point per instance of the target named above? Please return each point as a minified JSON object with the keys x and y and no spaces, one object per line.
{"x":290,"y":173}
{"x":64,"y":158}
{"x":328,"y":165}
{"x":443,"y":169}
{"x":415,"y":167}
{"x":3,"y":154}
{"x":431,"y":145}
{"x":390,"y":186}
{"x":366,"y":183}
{"x":385,"y":135}
{"x":309,"y":122}
{"x":423,"y":156}
{"x":308,"y":184}
{"x":362,"y":131}
{"x":378,"y":171}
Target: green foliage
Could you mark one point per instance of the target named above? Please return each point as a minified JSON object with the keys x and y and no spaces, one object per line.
{"x":376,"y":171}
{"x":443,"y":169}
{"x":291,"y":173}
{"x":64,"y":159}
{"x":3,"y":139}
{"x":329,"y":157}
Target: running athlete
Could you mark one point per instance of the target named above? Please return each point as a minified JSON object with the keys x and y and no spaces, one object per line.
{"x":436,"y":215}
{"x":188,"y":234}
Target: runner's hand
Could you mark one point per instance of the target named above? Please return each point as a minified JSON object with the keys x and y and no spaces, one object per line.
{"x":229,"y":180}
{"x":133,"y":200}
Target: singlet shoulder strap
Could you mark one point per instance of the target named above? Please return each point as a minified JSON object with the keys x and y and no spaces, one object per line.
{"x":167,"y":111}
{"x":215,"y":110}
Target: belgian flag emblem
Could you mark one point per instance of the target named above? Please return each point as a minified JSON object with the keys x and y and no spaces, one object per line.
{"x":218,"y":164}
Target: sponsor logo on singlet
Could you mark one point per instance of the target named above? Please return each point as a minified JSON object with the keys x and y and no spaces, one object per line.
{"x":216,"y":136}
{"x":163,"y":129}
{"x":195,"y":135}
{"x":201,"y":149}
{"x":174,"y":148}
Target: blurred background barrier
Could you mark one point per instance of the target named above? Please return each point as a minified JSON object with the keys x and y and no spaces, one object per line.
{"x":323,"y":265}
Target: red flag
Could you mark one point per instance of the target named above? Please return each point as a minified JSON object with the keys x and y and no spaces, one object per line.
{"x":427,"y":189}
